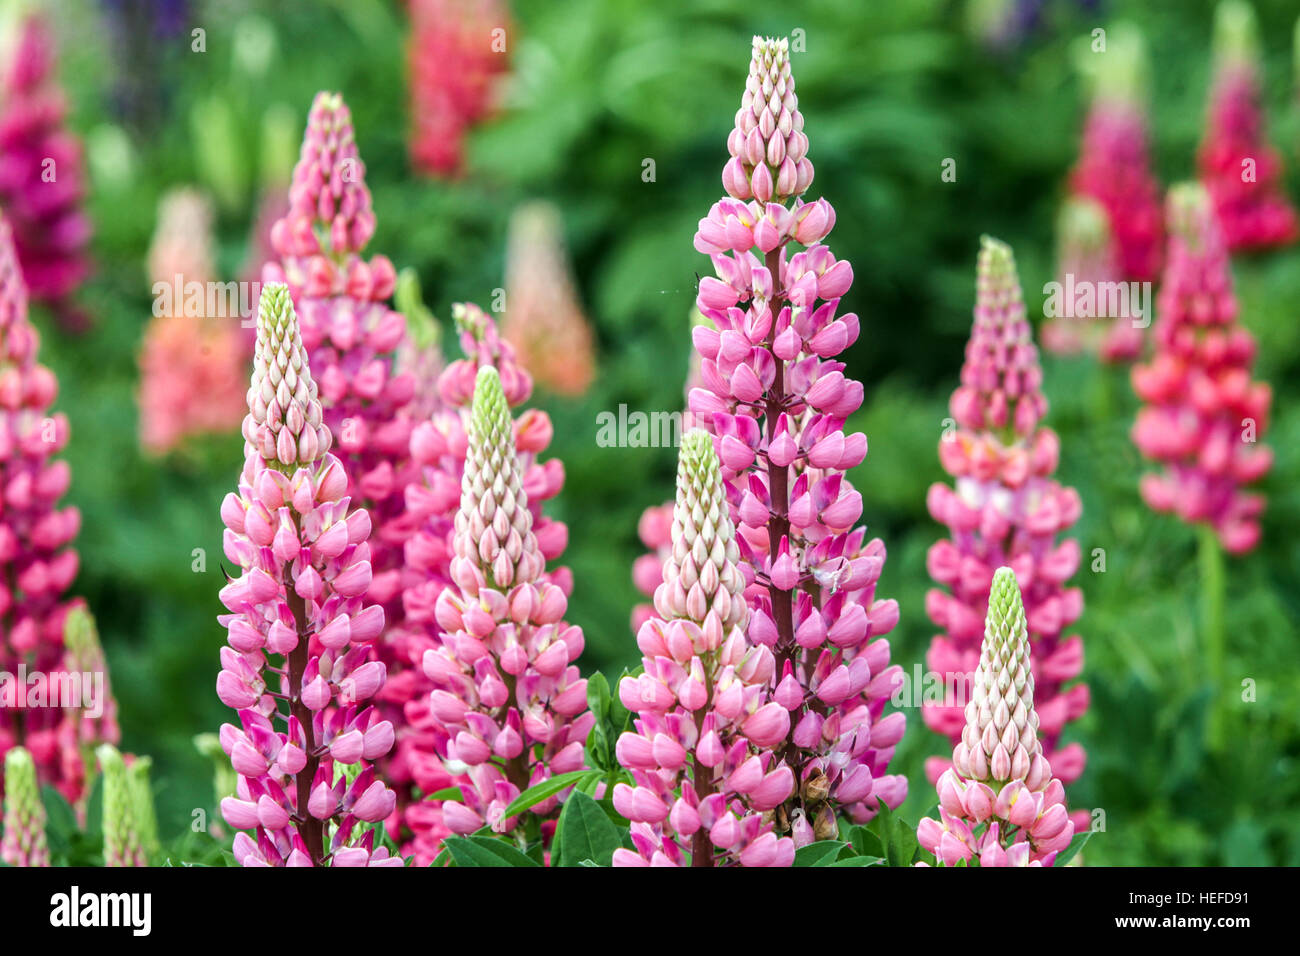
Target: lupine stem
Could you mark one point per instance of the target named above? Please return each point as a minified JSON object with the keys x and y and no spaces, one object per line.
{"x":778,"y":481}
{"x":313,"y":831}
{"x":1213,"y":580}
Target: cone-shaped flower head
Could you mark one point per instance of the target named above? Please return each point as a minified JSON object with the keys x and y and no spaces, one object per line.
{"x":285,"y":424}
{"x":1203,"y":415}
{"x":1001,"y":381}
{"x":775,"y":398}
{"x":703,"y":691}
{"x":1004,"y":508}
{"x":999,"y":803}
{"x":37,"y":560}
{"x":97,"y":719}
{"x":146,"y":818}
{"x":1240,"y":169}
{"x":494,"y":531}
{"x":1000,"y":741}
{"x":769,"y":151}
{"x":123,"y":841}
{"x":23,"y":841}
{"x":1113,"y":166}
{"x":507,"y":693}
{"x":51,"y":229}
{"x":544,"y":321}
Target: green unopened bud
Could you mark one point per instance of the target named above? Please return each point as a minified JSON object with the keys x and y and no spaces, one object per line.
{"x":23,"y":843}
{"x":122,"y":839}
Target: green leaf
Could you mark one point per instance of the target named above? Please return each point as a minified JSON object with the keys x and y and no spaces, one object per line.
{"x":484,"y":851}
{"x":821,"y":853}
{"x":447,"y":793}
{"x":60,"y":820}
{"x":1069,"y":853}
{"x":898,"y":837}
{"x":586,"y":833}
{"x":865,"y":843}
{"x":857,"y":861}
{"x":547,"y":788}
{"x":95,"y":811}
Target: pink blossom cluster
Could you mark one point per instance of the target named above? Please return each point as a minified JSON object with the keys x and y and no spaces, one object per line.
{"x":1203,"y":414}
{"x":50,"y":229}
{"x":999,"y":804}
{"x":458,"y":50}
{"x":705,"y":776}
{"x":1004,"y":510}
{"x":438,"y":450}
{"x":506,"y":690}
{"x":1114,"y":164}
{"x":776,"y":400}
{"x":1242,"y":172}
{"x":192,"y":362}
{"x":350,"y":333}
{"x":299,"y":629}
{"x":37,"y":560}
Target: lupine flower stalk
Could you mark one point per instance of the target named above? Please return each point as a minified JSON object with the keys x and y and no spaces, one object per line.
{"x":82,"y":729}
{"x":1203,"y":414}
{"x":438,"y":447}
{"x":706,"y":777}
{"x":1240,"y":169}
{"x":41,"y":174}
{"x":1086,"y":260}
{"x":146,"y":819}
{"x":297,"y":667}
{"x":458,"y":51}
{"x":1004,"y":509}
{"x":23,"y":842}
{"x":123,"y":840}
{"x":192,"y":362}
{"x":544,"y":321}
{"x":775,"y":400}
{"x":999,"y":804}
{"x":349,"y":332}
{"x":37,"y":560}
{"x":1114,"y":165}
{"x":506,"y":689}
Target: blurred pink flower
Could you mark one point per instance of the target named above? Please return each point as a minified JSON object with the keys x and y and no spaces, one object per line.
{"x":1203,"y":415}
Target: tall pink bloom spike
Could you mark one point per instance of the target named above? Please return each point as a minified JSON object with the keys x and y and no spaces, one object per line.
{"x":50,"y":228}
{"x":776,"y":401}
{"x":701,"y":756}
{"x":37,"y":560}
{"x":438,"y":450}
{"x":1114,"y":167}
{"x":458,"y":51}
{"x":299,"y":628}
{"x":999,"y":804}
{"x":1240,"y":169}
{"x":1004,"y":509}
{"x":1203,"y":414}
{"x":506,"y":689}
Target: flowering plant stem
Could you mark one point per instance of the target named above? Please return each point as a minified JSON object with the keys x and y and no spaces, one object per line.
{"x":1213,"y":583}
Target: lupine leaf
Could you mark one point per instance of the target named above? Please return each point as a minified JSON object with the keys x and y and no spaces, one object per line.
{"x":586,"y":833}
{"x":484,"y":851}
{"x":820,"y":853}
{"x":547,"y":788}
{"x":1069,"y":853}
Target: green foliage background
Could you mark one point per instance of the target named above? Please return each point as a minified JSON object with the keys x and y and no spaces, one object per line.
{"x":888,"y":90}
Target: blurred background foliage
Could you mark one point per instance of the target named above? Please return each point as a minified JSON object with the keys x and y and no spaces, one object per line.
{"x":889,"y":90}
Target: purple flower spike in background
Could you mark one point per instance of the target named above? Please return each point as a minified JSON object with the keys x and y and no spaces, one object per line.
{"x":297,"y":666}
{"x":776,"y":400}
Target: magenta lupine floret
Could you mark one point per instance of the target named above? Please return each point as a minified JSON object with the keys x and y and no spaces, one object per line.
{"x":50,"y":228}
{"x":438,"y":449}
{"x":1203,"y":414}
{"x":1004,"y":509}
{"x":1114,"y":167}
{"x":1240,"y":169}
{"x":506,"y":689}
{"x":999,"y":804}
{"x":701,"y":755}
{"x":37,"y":560}
{"x":299,"y":628}
{"x":776,"y":402}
